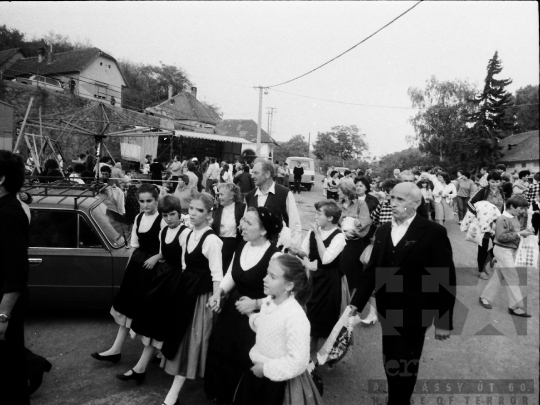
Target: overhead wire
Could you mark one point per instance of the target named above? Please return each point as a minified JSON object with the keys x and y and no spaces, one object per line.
{"x":383,"y":106}
{"x":347,"y":51}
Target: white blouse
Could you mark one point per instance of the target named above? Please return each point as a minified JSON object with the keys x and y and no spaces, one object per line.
{"x":332,"y":251}
{"x":211,"y":249}
{"x":250,"y":256}
{"x":227,"y":228}
{"x":146,"y":223}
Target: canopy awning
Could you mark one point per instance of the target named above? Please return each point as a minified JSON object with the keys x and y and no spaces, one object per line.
{"x":211,"y":137}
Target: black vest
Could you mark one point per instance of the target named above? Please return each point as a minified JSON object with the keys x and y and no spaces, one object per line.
{"x":172,"y":252}
{"x":149,"y":240}
{"x":250,"y":282}
{"x":314,"y":254}
{"x":239,"y":209}
{"x":198,"y":264}
{"x":276,"y":203}
{"x":390,"y":251}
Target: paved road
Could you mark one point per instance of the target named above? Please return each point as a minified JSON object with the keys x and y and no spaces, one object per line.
{"x":486,"y":346}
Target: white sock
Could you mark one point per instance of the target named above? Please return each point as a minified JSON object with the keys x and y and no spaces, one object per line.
{"x":172,"y":396}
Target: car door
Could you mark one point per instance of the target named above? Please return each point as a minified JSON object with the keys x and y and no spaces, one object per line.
{"x":69,"y":262}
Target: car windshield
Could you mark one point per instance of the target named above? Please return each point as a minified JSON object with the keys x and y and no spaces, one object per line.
{"x":113,"y":225}
{"x":305,"y":164}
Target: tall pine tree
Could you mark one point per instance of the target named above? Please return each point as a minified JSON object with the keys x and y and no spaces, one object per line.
{"x":492,"y":119}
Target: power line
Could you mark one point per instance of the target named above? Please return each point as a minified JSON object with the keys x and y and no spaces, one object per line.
{"x":385,"y":106}
{"x":348,"y":50}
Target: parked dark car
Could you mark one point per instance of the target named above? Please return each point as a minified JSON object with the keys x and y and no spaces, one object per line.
{"x":78,"y":249}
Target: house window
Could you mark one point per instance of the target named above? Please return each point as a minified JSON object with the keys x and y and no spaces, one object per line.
{"x":524,"y":165}
{"x":510,"y":165}
{"x":101,"y":91}
{"x":536,"y":164}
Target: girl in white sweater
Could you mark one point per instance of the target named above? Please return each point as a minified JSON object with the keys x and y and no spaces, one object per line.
{"x":281,"y":352}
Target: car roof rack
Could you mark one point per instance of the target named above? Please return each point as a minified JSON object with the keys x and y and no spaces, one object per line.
{"x":61,"y":188}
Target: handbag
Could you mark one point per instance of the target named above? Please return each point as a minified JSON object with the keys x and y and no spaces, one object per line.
{"x":366,"y":254}
{"x":339,"y":341}
{"x":527,"y":252}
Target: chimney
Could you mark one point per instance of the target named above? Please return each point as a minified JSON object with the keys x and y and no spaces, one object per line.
{"x":194,"y":92}
{"x":41,"y":54}
{"x":170,"y":91}
{"x":49,"y":55}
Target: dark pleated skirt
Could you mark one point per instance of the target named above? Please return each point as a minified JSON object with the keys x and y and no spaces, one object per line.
{"x":134,"y":285}
{"x":324,"y":305}
{"x":349,"y":261}
{"x":228,"y":352}
{"x":154,"y":316}
{"x":260,"y":391}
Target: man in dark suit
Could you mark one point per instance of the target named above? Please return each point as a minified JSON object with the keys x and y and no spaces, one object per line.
{"x":414,"y":278}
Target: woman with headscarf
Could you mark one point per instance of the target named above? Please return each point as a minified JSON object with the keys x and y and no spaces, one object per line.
{"x":232,"y":338}
{"x":227,"y":218}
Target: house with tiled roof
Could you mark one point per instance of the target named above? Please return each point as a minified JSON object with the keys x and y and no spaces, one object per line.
{"x":7,"y":58}
{"x":520,"y":152}
{"x":247,"y":129}
{"x":89,"y":73}
{"x":186,"y":110}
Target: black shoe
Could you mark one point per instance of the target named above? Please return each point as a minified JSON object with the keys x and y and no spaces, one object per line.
{"x":523,"y":315}
{"x":138,"y":377}
{"x":114,"y":358}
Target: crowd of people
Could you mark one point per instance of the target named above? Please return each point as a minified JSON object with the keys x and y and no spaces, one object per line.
{"x":222,"y":285}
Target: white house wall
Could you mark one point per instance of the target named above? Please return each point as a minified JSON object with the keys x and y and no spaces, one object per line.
{"x":105,"y":72}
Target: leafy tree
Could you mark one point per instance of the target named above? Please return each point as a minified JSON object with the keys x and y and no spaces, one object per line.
{"x":526,"y":114}
{"x":440,"y":122}
{"x":343,"y":142}
{"x":296,"y":146}
{"x":492,"y":119}
{"x":149,"y":84}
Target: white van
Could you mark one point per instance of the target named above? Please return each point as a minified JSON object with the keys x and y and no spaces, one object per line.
{"x":308,"y":179}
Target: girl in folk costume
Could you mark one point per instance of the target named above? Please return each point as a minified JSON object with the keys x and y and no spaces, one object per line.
{"x":190,"y":324}
{"x":281,"y":353}
{"x":322,"y":247}
{"x":139,"y":271}
{"x":232,"y":337}
{"x":152,"y":322}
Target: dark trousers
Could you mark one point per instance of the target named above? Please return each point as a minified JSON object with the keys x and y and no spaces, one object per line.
{"x":462,"y":206}
{"x":483,"y":253}
{"x":297,"y":184}
{"x":401,"y":360}
{"x":13,"y":376}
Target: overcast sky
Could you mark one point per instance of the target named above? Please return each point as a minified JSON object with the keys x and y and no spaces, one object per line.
{"x":227,"y":48}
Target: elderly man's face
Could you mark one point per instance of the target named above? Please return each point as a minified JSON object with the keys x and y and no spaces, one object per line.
{"x":259,"y":177}
{"x":402,"y":205}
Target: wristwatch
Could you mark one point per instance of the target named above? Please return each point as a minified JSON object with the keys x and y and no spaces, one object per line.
{"x":4,"y":318}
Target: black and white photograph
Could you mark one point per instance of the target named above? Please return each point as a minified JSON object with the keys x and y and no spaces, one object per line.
{"x":269,"y":203}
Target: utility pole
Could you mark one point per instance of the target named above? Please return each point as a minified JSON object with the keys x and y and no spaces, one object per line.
{"x":270,"y":113}
{"x":259,"y":120}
